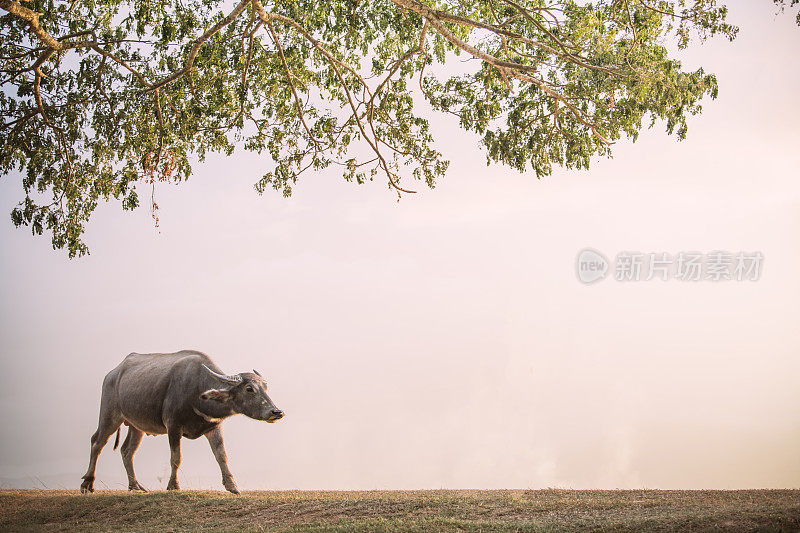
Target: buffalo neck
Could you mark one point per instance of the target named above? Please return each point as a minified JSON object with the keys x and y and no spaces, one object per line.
{"x":212,"y":410}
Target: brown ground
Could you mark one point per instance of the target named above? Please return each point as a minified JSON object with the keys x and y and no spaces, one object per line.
{"x":462,"y":510}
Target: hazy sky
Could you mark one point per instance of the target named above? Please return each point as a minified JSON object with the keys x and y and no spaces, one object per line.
{"x":444,"y":341}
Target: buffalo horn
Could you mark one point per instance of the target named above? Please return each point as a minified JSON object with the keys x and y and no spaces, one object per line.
{"x":230,"y":380}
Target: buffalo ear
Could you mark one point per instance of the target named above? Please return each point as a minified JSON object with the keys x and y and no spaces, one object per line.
{"x":220,"y":395}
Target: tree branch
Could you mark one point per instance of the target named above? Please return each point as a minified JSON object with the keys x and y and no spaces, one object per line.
{"x":32,"y":18}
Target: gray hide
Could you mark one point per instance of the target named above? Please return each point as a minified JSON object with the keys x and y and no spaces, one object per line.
{"x":182,"y":394}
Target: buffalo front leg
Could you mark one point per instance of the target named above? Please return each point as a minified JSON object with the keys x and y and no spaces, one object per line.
{"x":174,"y":459}
{"x":218,"y":447}
{"x":128,"y":450}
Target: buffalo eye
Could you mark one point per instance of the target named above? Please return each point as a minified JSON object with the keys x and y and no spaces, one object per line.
{"x":249,"y":389}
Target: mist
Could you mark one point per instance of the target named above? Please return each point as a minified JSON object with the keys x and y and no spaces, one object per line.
{"x":444,"y":341}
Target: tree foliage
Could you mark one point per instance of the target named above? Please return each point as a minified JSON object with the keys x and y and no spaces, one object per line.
{"x":104,"y":99}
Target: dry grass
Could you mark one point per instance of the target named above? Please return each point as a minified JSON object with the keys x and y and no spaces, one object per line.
{"x":462,"y":510}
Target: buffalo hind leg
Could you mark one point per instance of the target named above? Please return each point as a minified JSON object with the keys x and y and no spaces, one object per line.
{"x":218,"y":447}
{"x":110,"y":420}
{"x":128,"y":450}
{"x":174,"y":459}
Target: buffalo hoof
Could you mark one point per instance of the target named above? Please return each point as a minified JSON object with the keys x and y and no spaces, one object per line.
{"x":231,"y":487}
{"x":136,"y":487}
{"x":173,"y":485}
{"x":87,"y":485}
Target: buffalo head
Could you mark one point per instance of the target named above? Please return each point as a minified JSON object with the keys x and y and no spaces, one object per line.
{"x":244,"y":393}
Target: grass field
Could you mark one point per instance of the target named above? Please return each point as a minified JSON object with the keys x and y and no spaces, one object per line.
{"x":467,"y":510}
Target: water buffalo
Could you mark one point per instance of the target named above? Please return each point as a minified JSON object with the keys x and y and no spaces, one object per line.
{"x":182,"y":394}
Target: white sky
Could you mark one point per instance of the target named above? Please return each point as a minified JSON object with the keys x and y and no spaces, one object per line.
{"x":444,"y":341}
